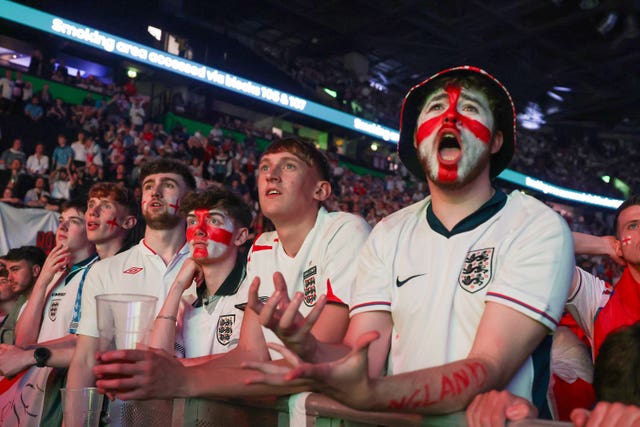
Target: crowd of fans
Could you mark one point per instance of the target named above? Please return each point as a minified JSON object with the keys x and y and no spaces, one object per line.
{"x":110,"y":138}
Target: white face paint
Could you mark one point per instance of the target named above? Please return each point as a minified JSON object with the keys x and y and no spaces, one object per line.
{"x":209,"y":233}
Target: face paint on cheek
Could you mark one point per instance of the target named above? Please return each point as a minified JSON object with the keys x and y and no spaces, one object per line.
{"x":113,"y":224}
{"x":218,"y":238}
{"x":477,"y":128}
{"x":175,"y":205}
{"x":626,"y":241}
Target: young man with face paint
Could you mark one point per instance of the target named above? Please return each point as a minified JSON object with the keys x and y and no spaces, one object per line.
{"x":458,"y":292}
{"x":310,"y":255}
{"x":598,"y":307}
{"x":148,"y":268}
{"x":217,"y":226}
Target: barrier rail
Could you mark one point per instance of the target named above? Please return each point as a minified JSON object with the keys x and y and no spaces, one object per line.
{"x":321,"y":411}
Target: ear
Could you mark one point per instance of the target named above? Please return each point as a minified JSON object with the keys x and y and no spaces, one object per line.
{"x":618,"y":248}
{"x":129,"y":222}
{"x":496,"y":142}
{"x":35,"y":270}
{"x":241,"y":237}
{"x":322,"y":191}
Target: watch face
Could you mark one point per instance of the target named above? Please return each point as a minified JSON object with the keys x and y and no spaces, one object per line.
{"x":41,"y":354}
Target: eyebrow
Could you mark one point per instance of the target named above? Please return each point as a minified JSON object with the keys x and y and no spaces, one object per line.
{"x":71,"y":217}
{"x":161,"y":180}
{"x":472,"y":98}
{"x":439,"y":97}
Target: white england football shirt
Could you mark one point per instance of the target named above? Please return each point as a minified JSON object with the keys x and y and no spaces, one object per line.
{"x":138,"y":270}
{"x":435,"y":283}
{"x":325,"y":263}
{"x":590,"y":296}
{"x":211,"y":325}
{"x":59,"y":308}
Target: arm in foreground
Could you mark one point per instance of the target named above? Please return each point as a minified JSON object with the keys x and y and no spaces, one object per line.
{"x":153,"y":374}
{"x":504,"y":340}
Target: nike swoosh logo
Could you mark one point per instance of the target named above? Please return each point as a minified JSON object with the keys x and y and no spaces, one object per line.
{"x":400,"y":283}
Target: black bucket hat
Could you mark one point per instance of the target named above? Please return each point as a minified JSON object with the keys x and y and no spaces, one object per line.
{"x":413,"y":102}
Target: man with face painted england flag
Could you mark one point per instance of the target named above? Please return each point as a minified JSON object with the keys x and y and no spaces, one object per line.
{"x":455,"y":294}
{"x":209,"y":323}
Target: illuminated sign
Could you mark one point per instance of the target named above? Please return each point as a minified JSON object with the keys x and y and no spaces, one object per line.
{"x":135,"y":51}
{"x":556,"y":191}
{"x":100,"y":40}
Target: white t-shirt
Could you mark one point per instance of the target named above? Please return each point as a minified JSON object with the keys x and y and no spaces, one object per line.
{"x":590,"y":296}
{"x":138,"y":270}
{"x":38,"y":166}
{"x":325,"y":263}
{"x":59,"y":309}
{"x":79,"y":151}
{"x":516,"y":252}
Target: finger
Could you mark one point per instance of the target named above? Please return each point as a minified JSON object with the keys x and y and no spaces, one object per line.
{"x":254,"y":302}
{"x":279,"y":282}
{"x":269,"y":310}
{"x":579,"y":417}
{"x":308,"y":371}
{"x":265,"y":368}
{"x":366,"y":339}
{"x":126,"y":356}
{"x":281,"y":286}
{"x":472,"y":410}
{"x":292,"y":358}
{"x":115,"y":369}
{"x":597,"y":415}
{"x":290,"y":312}
{"x":314,"y":315}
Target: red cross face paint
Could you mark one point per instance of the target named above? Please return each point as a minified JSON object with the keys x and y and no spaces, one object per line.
{"x":626,"y":241}
{"x":209,"y":233}
{"x":454,"y":134}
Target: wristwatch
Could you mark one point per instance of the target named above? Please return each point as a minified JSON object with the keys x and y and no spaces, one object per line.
{"x":42,"y":355}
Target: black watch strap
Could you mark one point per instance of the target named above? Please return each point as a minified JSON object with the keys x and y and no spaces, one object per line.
{"x":42,"y":355}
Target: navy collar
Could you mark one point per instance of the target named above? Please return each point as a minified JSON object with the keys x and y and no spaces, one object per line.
{"x":229,"y":286}
{"x":484,"y":212}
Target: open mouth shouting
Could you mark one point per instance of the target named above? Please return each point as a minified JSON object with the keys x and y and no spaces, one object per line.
{"x":449,"y":147}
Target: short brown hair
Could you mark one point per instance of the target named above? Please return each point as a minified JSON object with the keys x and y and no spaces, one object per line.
{"x":305,"y":151}
{"x":168,"y":166}
{"x":218,"y":198}
{"x":122,"y":195}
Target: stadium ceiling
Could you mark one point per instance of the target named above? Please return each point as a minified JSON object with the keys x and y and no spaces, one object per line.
{"x":590,"y":47}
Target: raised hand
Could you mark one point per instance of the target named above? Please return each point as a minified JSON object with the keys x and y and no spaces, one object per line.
{"x":189,"y":272}
{"x":57,"y":260}
{"x":283,"y":317}
{"x":346,"y":379}
{"x":495,"y":408}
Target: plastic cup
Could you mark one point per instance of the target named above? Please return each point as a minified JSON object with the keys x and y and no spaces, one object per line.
{"x":82,"y":406}
{"x":124,"y":320}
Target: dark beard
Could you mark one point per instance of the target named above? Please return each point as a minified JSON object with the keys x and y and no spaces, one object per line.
{"x":163,"y":221}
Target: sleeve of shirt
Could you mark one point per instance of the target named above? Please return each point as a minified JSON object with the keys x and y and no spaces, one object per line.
{"x":340,"y":258}
{"x":586,"y":300}
{"x":535,"y":267}
{"x":93,"y":286}
{"x":371,"y":290}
